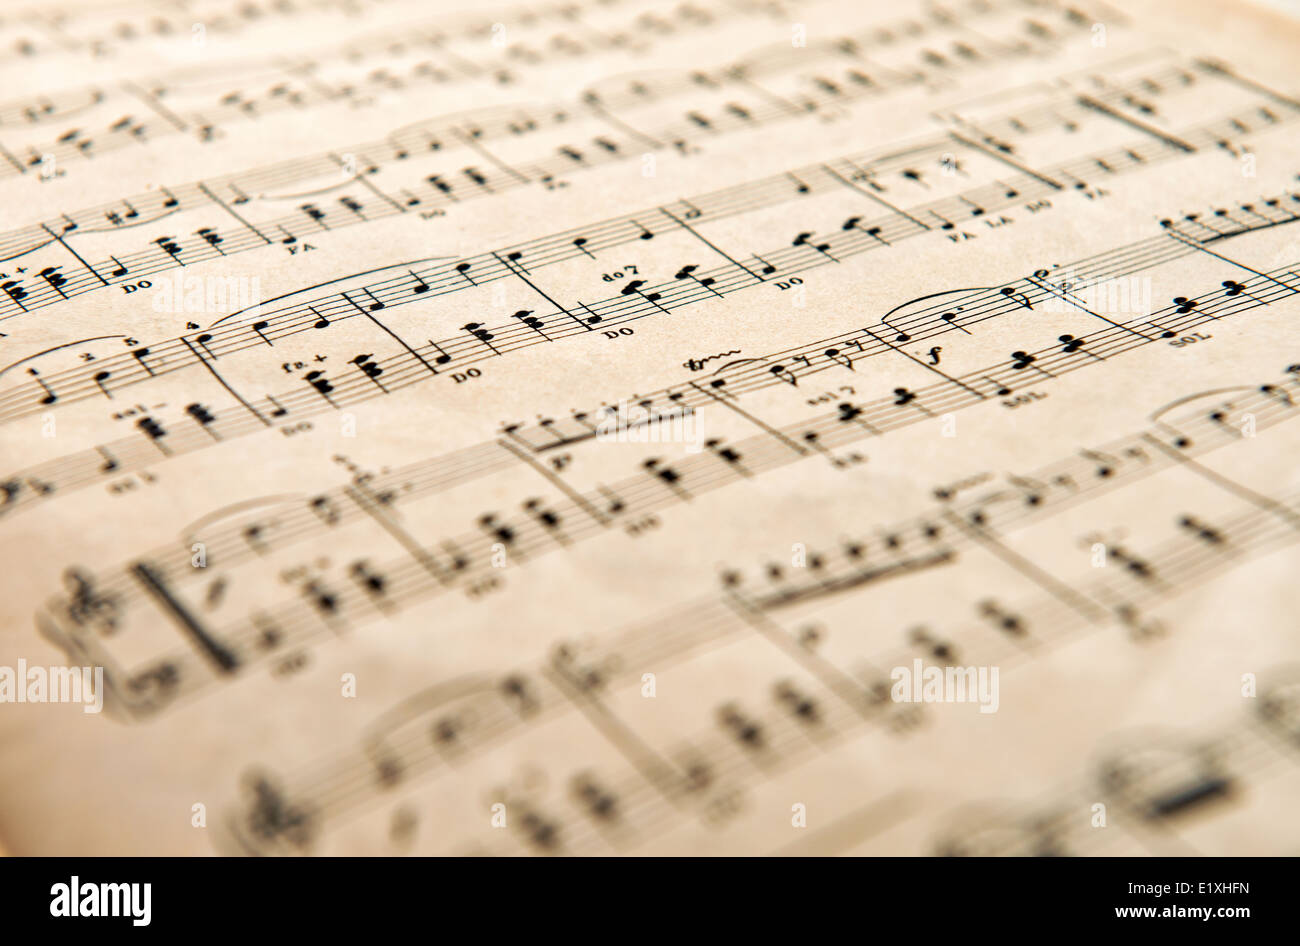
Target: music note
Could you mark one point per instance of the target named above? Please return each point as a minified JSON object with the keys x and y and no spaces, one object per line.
{"x":171,"y":248}
{"x":56,"y":281}
{"x":212,"y":238}
{"x":1234,"y":288}
{"x":482,"y":334}
{"x":526,"y":316}
{"x":320,"y":384}
{"x":15,"y":292}
{"x":315,"y":214}
{"x":823,"y":248}
{"x":688,"y":272}
{"x":370,"y":369}
{"x":837,"y":355}
{"x":634,"y":288}
{"x":1019,"y":297}
{"x":139,"y":354}
{"x":854,"y":223}
{"x":442,"y":357}
{"x":50,"y":397}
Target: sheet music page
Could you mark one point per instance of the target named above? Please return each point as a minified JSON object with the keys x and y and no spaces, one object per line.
{"x":611,"y":427}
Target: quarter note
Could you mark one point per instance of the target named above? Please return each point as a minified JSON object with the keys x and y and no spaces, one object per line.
{"x":139,"y":355}
{"x":497,"y":529}
{"x":901,"y":336}
{"x":513,"y":258}
{"x":548,"y":518}
{"x":154,"y":431}
{"x":1019,"y":297}
{"x":324,"y":508}
{"x":1234,"y":288}
{"x":853,"y":223}
{"x":634,"y":288}
{"x":747,"y":731}
{"x":1005,"y":621}
{"x":320,"y":383}
{"x":15,"y":292}
{"x":315,"y":214}
{"x":823,"y":248}
{"x":848,"y":412}
{"x":1001,"y":389}
{"x":688,"y":272}
{"x":50,"y":397}
{"x":475,"y":175}
{"x":442,"y":357}
{"x":370,"y":369}
{"x":213,"y":239}
{"x":116,"y":218}
{"x":727,"y":455}
{"x":202,"y":416}
{"x":374,"y":583}
{"x":482,"y":334}
{"x":170,"y":247}
{"x":1207,"y":534}
{"x":56,"y":281}
{"x":1070,"y":345}
{"x":951,"y":319}
{"x":666,"y":475}
{"x":526,"y":316}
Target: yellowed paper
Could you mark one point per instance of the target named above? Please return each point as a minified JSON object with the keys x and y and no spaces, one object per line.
{"x":617,"y":428}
